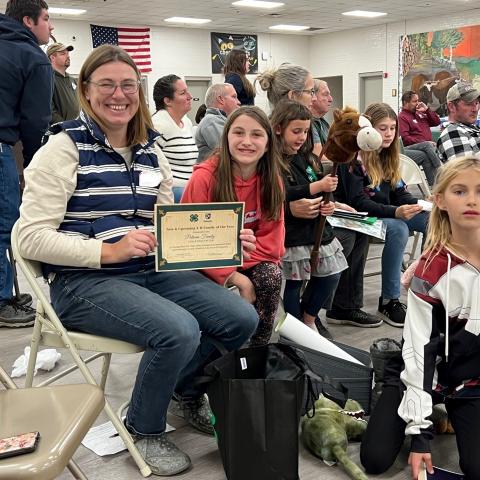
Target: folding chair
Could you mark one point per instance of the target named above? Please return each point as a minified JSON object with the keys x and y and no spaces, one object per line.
{"x":48,"y":330}
{"x":412,"y":174}
{"x":61,"y":414}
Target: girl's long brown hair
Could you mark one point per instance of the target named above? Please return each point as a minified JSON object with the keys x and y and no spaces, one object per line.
{"x":287,"y":111}
{"x":235,"y":63}
{"x":383,"y":165}
{"x":268,"y":168}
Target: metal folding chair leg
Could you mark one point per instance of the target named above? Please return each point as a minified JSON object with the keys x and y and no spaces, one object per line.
{"x":76,"y":471}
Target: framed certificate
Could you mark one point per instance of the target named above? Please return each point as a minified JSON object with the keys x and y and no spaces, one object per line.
{"x":198,"y":235}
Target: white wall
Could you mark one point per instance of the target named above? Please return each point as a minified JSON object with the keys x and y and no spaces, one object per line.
{"x":186,"y":52}
{"x":349,"y":53}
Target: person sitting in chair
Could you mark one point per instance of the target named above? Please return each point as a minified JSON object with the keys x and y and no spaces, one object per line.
{"x":87,"y":215}
{"x":415,"y":120}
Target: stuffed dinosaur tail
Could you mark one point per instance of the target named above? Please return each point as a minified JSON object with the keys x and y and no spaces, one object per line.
{"x":351,"y":468}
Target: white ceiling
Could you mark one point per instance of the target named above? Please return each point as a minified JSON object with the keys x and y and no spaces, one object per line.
{"x":324,"y":15}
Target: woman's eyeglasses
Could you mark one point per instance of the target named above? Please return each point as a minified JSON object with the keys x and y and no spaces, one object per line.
{"x":108,"y":88}
{"x":310,"y":91}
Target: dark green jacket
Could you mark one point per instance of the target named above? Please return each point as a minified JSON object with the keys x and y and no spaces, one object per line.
{"x":64,"y":100}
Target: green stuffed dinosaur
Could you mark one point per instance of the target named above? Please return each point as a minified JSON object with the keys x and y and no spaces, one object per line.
{"x":326,"y":435}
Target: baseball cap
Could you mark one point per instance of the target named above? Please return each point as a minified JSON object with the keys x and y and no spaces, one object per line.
{"x":57,"y":47}
{"x":462,"y":91}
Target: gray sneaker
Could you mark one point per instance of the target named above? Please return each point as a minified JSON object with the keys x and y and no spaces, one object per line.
{"x":14,"y":315}
{"x":23,"y":299}
{"x":196,"y":412}
{"x":162,"y":456}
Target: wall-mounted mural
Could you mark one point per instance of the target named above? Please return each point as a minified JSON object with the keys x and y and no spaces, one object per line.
{"x":431,"y":62}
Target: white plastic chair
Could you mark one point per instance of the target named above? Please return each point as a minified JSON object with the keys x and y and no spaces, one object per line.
{"x":48,"y":330}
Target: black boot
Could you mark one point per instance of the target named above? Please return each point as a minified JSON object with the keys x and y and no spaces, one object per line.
{"x":386,"y":355}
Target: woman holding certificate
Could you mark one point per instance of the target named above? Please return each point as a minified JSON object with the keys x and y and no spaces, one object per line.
{"x":246,"y":169}
{"x":87,"y":215}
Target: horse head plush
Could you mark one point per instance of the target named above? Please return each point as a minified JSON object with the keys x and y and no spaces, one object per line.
{"x":326,"y":434}
{"x":349,"y":133}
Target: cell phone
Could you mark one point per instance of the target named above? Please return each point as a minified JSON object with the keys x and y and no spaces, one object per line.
{"x":19,"y":444}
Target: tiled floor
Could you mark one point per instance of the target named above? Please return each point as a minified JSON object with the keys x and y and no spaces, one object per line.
{"x":202,"y":449}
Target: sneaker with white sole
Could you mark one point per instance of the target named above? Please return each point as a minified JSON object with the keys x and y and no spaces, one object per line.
{"x":13,"y":315}
{"x":162,"y":456}
{"x":393,"y":312}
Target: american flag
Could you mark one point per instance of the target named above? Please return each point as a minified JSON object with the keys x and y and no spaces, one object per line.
{"x":136,"y":41}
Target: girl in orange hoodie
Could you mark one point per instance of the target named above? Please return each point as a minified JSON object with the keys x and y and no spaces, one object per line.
{"x":247,"y":169}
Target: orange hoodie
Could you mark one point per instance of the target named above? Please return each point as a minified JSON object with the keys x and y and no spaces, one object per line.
{"x":270,"y":234}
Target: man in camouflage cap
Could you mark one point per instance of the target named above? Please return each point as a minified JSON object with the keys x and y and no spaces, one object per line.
{"x":462,"y":135}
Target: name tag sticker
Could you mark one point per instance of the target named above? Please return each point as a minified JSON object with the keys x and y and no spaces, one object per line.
{"x":243,"y":363}
{"x":150,"y":179}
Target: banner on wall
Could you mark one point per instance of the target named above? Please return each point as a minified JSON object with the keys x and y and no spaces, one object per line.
{"x":223,"y":43}
{"x":135,"y":40}
{"x":432,"y":62}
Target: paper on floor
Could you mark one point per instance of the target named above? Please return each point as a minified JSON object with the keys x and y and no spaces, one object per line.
{"x":104,"y":439}
{"x":46,"y":360}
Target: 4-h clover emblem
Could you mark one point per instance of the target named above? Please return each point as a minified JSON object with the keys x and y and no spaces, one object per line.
{"x":194,"y":217}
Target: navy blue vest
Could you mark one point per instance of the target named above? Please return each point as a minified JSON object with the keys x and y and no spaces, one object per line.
{"x":108,"y":200}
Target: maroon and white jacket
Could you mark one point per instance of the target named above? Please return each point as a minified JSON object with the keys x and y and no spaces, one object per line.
{"x":441,"y":347}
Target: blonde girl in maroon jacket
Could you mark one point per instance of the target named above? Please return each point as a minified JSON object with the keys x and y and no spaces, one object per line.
{"x":247,"y":169}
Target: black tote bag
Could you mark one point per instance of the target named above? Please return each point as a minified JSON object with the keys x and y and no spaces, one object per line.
{"x":257,"y":396}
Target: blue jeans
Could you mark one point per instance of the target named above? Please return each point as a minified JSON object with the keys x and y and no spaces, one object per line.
{"x":9,"y":203}
{"x":392,"y":255}
{"x":425,"y":155}
{"x":177,"y":193}
{"x":166,"y":313}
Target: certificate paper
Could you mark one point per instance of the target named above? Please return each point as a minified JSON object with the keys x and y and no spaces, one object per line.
{"x":198,"y":235}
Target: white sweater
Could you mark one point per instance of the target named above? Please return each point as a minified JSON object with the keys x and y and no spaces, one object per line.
{"x":178,"y":145}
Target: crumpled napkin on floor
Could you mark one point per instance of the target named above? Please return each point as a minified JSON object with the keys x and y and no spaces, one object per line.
{"x":46,"y":360}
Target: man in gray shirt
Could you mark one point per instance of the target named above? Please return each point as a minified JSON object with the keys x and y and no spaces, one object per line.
{"x":221,"y":100}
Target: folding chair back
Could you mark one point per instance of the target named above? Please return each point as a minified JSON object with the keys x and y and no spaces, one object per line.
{"x":48,"y":330}
{"x":412,"y":174}
{"x":73,"y":409}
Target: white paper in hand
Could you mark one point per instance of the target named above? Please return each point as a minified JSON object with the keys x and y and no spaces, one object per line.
{"x":426,"y":205}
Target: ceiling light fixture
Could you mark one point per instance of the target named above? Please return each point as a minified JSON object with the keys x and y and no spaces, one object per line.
{"x":364,"y":14}
{"x":289,"y":28}
{"x":192,"y":21}
{"x":257,"y":4}
{"x":66,"y":11}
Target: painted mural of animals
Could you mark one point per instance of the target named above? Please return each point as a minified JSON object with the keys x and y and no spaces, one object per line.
{"x":426,"y":88}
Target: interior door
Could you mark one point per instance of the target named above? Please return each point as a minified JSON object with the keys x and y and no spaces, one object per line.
{"x":198,"y":89}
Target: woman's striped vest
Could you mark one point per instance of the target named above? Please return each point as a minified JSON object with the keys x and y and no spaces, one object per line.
{"x":108,"y":200}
